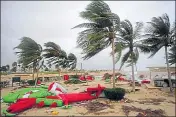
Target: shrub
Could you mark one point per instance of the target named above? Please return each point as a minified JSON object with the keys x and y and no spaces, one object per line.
{"x":114,"y":93}
{"x":106,"y":75}
{"x":73,"y":81}
{"x":74,"y":76}
{"x":31,"y":82}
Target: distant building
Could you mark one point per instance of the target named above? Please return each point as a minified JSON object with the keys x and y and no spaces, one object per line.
{"x":161,"y":69}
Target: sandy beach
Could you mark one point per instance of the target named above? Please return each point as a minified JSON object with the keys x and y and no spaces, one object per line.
{"x":153,"y":99}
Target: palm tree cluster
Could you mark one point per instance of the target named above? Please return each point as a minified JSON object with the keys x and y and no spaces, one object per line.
{"x":104,"y":28}
{"x":31,"y":54}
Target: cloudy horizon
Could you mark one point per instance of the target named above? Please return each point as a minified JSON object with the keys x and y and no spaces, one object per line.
{"x":45,"y":21}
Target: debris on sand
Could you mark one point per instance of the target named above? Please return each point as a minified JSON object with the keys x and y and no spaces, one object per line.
{"x":143,"y":112}
{"x":126,"y":100}
{"x":155,"y":101}
{"x":96,"y":106}
{"x":76,"y":89}
{"x":103,"y":113}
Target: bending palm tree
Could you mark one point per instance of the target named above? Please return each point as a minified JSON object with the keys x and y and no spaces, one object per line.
{"x":57,"y":56}
{"x":30,"y":53}
{"x":128,"y":38}
{"x":172,"y":55}
{"x":159,"y":35}
{"x":100,"y":30}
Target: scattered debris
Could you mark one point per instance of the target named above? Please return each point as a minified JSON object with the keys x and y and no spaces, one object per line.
{"x":126,"y":100}
{"x":171,"y":102}
{"x":93,"y":107}
{"x":143,"y":112}
{"x":151,"y":101}
{"x":103,"y":113}
{"x":76,"y":89}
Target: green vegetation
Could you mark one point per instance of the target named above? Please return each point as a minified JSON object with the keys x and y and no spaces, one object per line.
{"x":100,"y":31}
{"x":129,"y":37}
{"x":159,"y":34}
{"x":74,"y":81}
{"x":114,"y":93}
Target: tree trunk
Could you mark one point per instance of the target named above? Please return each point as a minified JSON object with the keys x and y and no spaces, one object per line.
{"x":113,"y":62}
{"x":132,"y":66}
{"x":168,"y":69}
{"x":33,"y":73}
{"x":36,"y":78}
{"x":136,"y":67}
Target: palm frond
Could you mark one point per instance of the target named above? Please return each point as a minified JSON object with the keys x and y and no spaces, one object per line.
{"x":137,"y":30}
{"x":125,"y":58}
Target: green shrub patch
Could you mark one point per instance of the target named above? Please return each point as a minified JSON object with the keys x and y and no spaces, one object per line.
{"x":114,"y":93}
{"x":31,"y":82}
{"x":73,"y":81}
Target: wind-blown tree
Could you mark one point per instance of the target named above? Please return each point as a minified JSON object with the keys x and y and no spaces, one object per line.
{"x":49,"y":65}
{"x":57,"y":56}
{"x":14,"y":67}
{"x":159,"y":34}
{"x":100,"y":30}
{"x":172,"y":55}
{"x":4,"y":68}
{"x":129,"y":38}
{"x":29,"y":53}
{"x":8,"y":67}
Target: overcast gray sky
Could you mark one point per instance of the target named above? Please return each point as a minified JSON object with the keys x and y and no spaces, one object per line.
{"x":46,"y":21}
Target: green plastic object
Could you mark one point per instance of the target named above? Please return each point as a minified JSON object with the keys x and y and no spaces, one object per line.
{"x":5,"y":113}
{"x":44,"y":86}
{"x":107,"y":80}
{"x":40,"y":94}
{"x":48,"y":102}
{"x":66,"y":107}
{"x":37,"y":93}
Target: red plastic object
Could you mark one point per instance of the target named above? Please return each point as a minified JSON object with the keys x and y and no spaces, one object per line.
{"x":89,"y":78}
{"x":58,"y":89}
{"x":21,"y":105}
{"x":82,"y":78}
{"x":38,"y":82}
{"x":40,"y":104}
{"x":50,"y":86}
{"x":76,"y":97}
{"x":66,"y":77}
{"x":145,"y":82}
{"x":120,"y":78}
{"x":54,"y":104}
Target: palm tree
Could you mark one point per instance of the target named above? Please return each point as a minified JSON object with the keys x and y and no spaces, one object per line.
{"x":100,"y":30}
{"x":49,"y":65}
{"x":172,"y":55}
{"x":57,"y":56}
{"x":129,"y":38}
{"x":30,"y":53}
{"x":160,"y":34}
{"x":8,"y":67}
{"x":14,"y":66}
